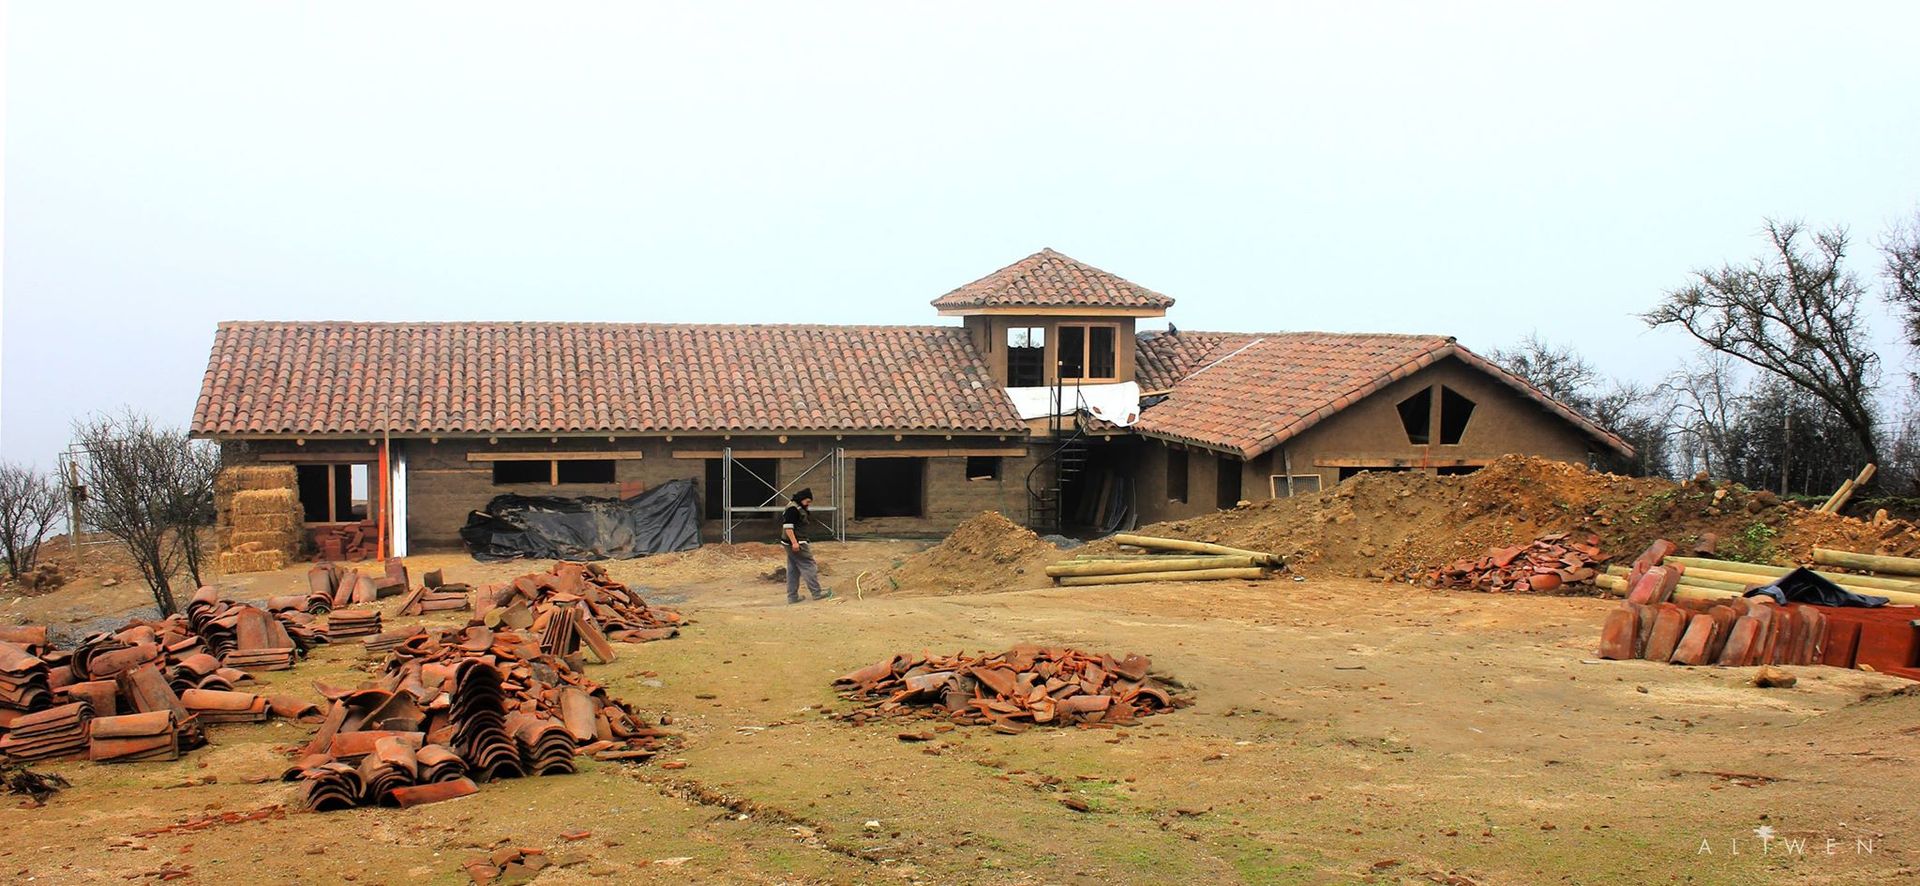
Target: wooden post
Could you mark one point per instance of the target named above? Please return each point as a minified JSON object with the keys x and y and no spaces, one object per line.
{"x":1849,"y":488}
{"x":1876,"y":562}
{"x":380,"y":521}
{"x":1251,"y":572}
{"x":1123,"y":567}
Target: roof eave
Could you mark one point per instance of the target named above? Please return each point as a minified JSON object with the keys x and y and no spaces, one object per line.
{"x":1051,"y":310}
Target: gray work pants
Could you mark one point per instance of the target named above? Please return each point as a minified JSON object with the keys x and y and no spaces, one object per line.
{"x":800,"y":563}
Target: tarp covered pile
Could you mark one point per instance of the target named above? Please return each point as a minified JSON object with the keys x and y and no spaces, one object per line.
{"x":1010,"y":691}
{"x":662,"y":519}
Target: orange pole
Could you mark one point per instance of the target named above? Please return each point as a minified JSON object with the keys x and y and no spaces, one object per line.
{"x":380,"y":521}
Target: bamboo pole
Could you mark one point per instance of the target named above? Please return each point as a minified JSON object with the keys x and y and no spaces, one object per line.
{"x":1875,"y":562}
{"x":1198,"y":547}
{"x":1125,"y":567}
{"x":1878,"y":583}
{"x":1189,"y":575}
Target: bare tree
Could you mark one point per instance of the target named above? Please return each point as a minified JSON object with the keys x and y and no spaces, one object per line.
{"x":1704,"y":397}
{"x":1629,"y":411}
{"x":1559,"y":372}
{"x":30,"y":502}
{"x":151,"y":488}
{"x":1794,"y":314}
{"x":1901,"y":250}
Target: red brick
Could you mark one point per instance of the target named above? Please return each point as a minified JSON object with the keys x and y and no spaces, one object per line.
{"x":1697,"y":643}
{"x":1620,"y":634}
{"x":1841,"y":640}
{"x":1741,"y":641}
{"x":1668,"y":625}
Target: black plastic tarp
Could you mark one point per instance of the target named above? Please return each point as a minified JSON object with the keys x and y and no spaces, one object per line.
{"x":664,"y":518}
{"x":1803,"y":585}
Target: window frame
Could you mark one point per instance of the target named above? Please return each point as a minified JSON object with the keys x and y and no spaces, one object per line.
{"x":1025,"y":351}
{"x":1086,"y":352}
{"x":994,"y":461}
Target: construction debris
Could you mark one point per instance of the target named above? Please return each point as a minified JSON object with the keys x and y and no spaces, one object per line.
{"x":1013,"y":690}
{"x":1188,"y":561}
{"x":511,"y":865}
{"x":471,"y":703}
{"x":38,"y":786}
{"x":1549,"y":563}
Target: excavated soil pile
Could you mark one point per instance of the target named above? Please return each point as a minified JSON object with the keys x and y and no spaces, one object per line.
{"x":1404,"y":525}
{"x":985,"y":554}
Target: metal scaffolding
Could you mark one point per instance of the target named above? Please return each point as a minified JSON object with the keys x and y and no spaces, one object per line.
{"x":835,"y":460}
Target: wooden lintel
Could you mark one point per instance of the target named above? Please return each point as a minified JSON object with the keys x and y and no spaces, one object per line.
{"x":933,"y":453}
{"x":625,"y":455}
{"x":319,"y":458}
{"x":739,"y":453}
{"x":1416,"y":462}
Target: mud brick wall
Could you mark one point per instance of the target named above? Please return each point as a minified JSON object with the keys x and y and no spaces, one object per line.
{"x":444,"y":485}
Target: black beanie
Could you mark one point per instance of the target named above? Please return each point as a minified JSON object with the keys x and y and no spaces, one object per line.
{"x":803,"y":495}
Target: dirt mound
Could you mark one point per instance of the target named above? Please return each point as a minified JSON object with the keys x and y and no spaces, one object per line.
{"x":985,"y":554}
{"x":1403,"y":525}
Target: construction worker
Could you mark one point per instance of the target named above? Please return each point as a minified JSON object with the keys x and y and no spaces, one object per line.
{"x":793,"y":535}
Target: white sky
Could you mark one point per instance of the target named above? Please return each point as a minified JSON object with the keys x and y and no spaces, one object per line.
{"x":1480,"y":170}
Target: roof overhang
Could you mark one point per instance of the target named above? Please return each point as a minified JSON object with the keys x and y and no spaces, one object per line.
{"x":1051,"y":311}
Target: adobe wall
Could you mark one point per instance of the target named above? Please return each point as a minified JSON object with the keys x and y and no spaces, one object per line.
{"x":444,"y":485}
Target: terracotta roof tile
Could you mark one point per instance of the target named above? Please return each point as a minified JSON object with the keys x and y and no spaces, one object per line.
{"x":1250,"y":392}
{"x":357,"y":378}
{"x":1047,"y":279}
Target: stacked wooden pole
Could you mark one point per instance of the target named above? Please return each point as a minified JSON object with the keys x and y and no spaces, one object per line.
{"x":1169,"y":559}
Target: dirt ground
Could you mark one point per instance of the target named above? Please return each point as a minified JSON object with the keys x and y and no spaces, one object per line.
{"x":1343,"y":731}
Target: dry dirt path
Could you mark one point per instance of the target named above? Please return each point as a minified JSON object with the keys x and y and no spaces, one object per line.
{"x":1343,"y":732}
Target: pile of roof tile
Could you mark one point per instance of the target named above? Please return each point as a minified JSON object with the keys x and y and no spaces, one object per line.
{"x":245,"y":636}
{"x":132,"y":738}
{"x":437,"y":595}
{"x":53,"y":733}
{"x":23,"y":675}
{"x":1010,"y":691}
{"x":343,"y":541}
{"x":145,"y":691}
{"x":1548,"y":564}
{"x":353,"y":623}
{"x":331,"y":585}
{"x":467,"y":703}
{"x":591,"y":608}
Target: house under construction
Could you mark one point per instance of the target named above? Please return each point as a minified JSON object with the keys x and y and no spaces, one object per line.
{"x":1046,"y":402}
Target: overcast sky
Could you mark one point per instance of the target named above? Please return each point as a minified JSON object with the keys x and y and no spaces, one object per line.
{"x":1479,"y":170}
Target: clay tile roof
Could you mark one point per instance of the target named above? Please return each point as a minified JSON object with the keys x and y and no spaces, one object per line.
{"x":504,"y":378}
{"x":1250,"y":392}
{"x":1047,"y":279}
